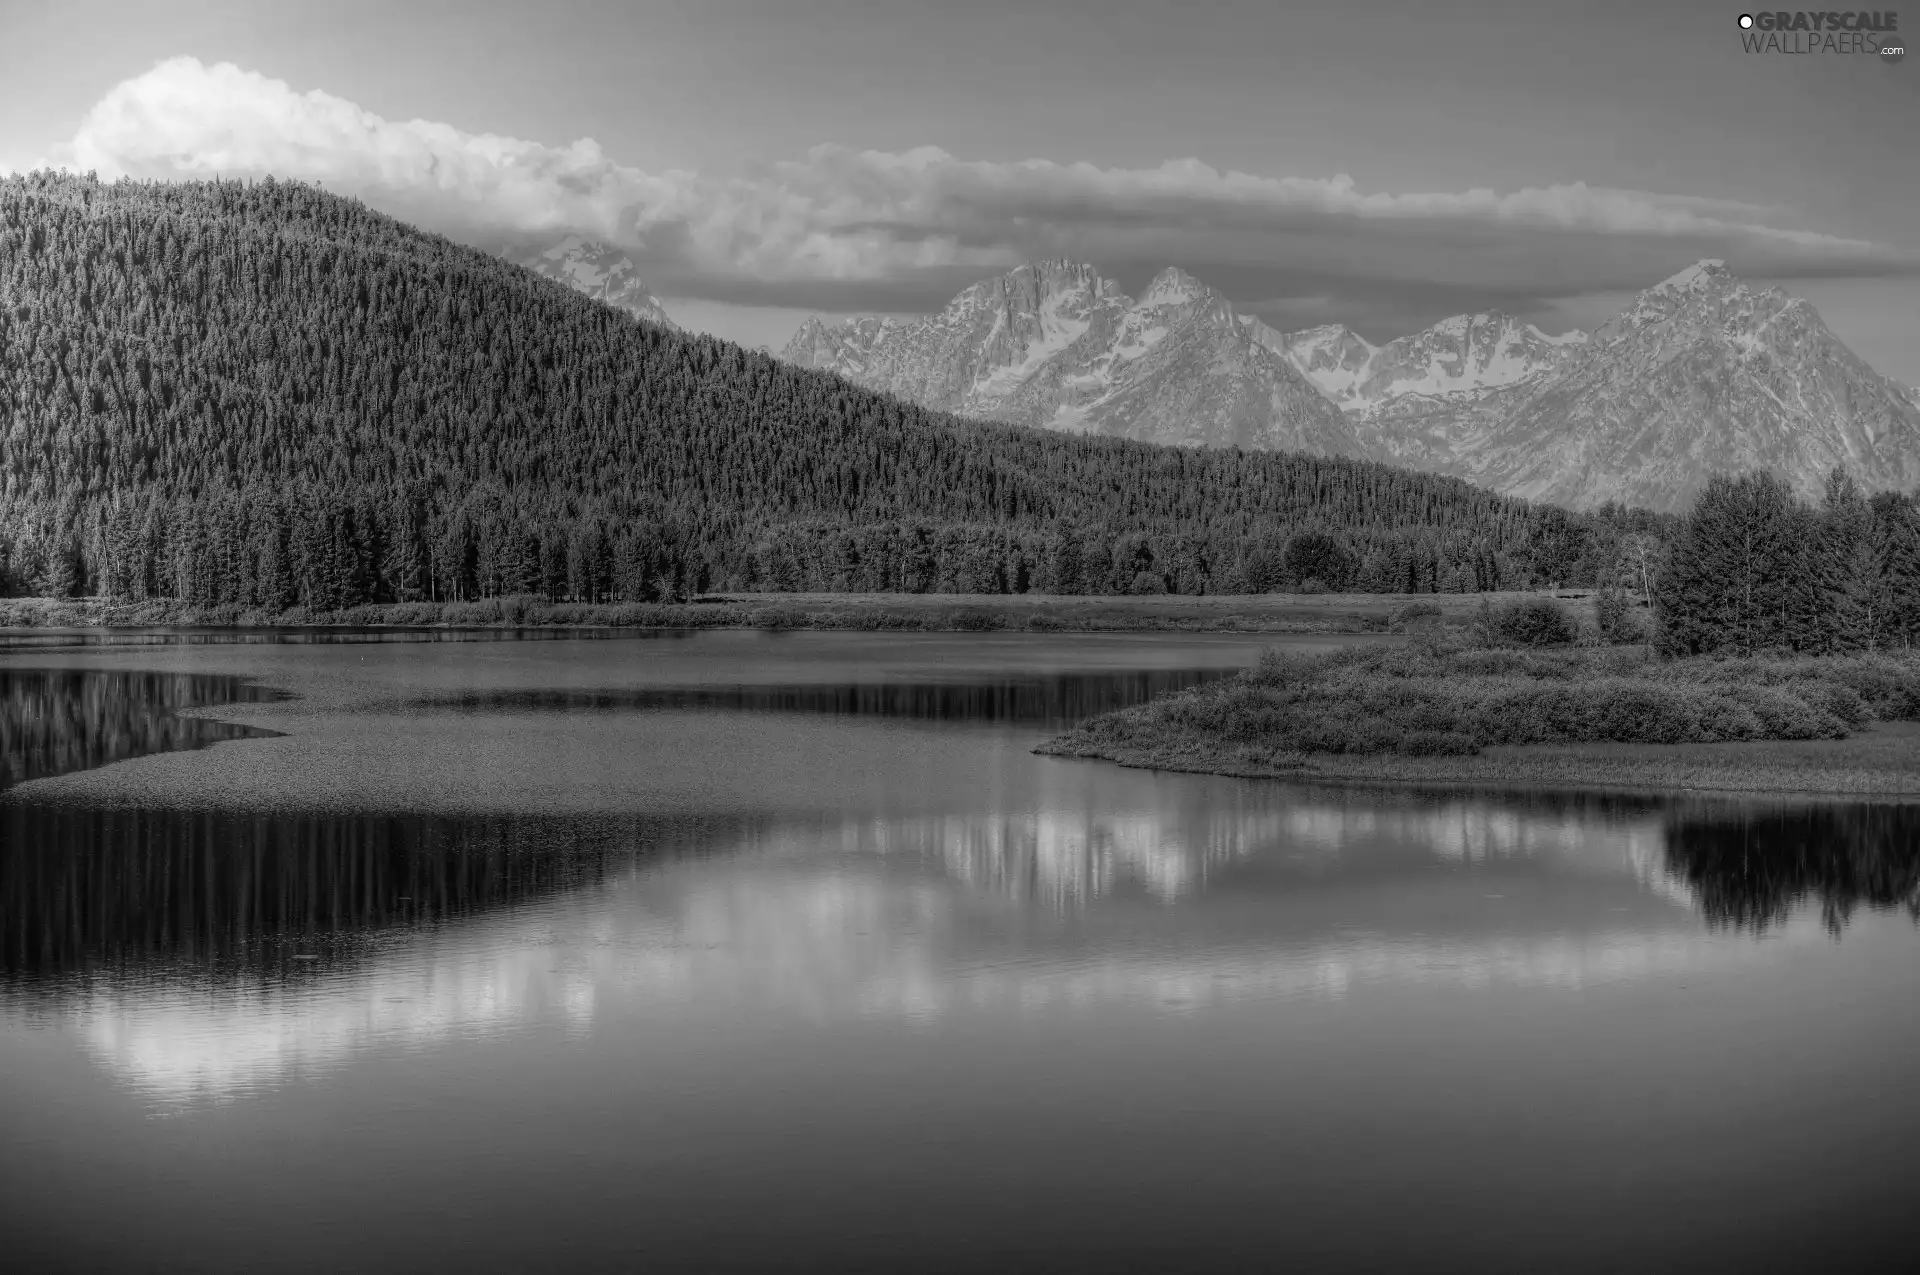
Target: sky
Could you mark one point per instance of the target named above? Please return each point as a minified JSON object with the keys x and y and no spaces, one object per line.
{"x":1381,"y":166}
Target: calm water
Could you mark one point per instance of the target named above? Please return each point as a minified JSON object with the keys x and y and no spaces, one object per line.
{"x":757,"y":951}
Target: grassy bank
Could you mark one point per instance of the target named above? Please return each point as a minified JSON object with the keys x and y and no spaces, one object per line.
{"x":1606,"y":717}
{"x":928,"y":612}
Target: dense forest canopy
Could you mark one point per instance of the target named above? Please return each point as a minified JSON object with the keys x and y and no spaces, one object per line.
{"x":266,"y":395}
{"x":1751,"y":568}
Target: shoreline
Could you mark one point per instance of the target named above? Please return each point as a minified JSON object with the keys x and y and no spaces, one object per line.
{"x":1878,"y":763}
{"x":1566,"y":717}
{"x":1274,"y":613}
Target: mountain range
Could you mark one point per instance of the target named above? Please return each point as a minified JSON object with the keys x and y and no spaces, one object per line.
{"x":1054,"y":345}
{"x":1699,"y":373}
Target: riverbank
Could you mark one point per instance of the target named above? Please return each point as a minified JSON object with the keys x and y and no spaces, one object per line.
{"x":1599,"y":719}
{"x":913,"y":612}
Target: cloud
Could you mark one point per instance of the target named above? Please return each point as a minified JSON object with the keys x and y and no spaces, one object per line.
{"x":845,"y":229}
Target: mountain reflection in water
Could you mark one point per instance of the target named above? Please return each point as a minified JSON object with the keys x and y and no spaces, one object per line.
{"x":172,"y":940}
{"x":165,"y":927}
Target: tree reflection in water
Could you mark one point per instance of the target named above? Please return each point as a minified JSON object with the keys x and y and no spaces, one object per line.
{"x":1054,"y":701}
{"x":1752,"y":869}
{"x":102,"y":890}
{"x":59,"y":720}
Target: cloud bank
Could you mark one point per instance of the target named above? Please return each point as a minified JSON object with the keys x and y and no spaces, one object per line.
{"x":844,"y":229}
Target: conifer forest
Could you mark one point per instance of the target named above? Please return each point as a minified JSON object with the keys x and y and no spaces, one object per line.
{"x":267,"y":395}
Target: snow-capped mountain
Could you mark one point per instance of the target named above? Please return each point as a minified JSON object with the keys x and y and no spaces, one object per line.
{"x":1701,"y":373}
{"x":601,"y":271}
{"x":1055,"y":345}
{"x":1698,"y":374}
{"x":1466,"y":353}
{"x":974,"y":355}
{"x":1421,"y":400}
{"x":1335,"y":359}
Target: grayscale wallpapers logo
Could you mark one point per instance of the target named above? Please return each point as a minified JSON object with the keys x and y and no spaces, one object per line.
{"x":1874,"y":33}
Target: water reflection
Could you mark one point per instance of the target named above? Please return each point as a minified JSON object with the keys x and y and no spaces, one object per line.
{"x":177,"y":943}
{"x":90,"y":891}
{"x":54,"y":638}
{"x":170,"y":940}
{"x":1057,"y":700}
{"x":905,"y":920}
{"x":1755,"y":869}
{"x":56,"y":721}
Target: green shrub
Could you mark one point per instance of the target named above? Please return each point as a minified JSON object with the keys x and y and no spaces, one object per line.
{"x":1146,"y":582}
{"x":1533,"y":622}
{"x":1615,"y":619}
{"x":1437,"y":743}
{"x":1414,"y":613}
{"x":973,"y":619}
{"x":1426,"y":699}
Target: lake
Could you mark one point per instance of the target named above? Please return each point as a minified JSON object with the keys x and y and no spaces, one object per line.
{"x":739,"y":950}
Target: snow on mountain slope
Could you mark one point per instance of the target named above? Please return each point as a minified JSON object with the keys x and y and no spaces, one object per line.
{"x":1052,"y":344}
{"x":1702,"y":374}
{"x":599,"y":270}
{"x":1333,"y":358}
{"x":1698,"y":374}
{"x":1463,"y":353}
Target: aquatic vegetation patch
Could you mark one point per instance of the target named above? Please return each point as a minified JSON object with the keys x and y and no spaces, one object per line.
{"x":1426,"y":699}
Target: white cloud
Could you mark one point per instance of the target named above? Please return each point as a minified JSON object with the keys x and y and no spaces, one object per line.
{"x":848,"y":216}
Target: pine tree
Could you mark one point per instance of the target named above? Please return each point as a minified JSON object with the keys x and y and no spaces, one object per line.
{"x":1897,"y":537}
{"x":1735,"y":577}
{"x":1845,"y":570}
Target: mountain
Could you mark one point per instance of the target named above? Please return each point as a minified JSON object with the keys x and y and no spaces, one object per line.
{"x":259,"y":395}
{"x":1698,"y":374}
{"x":599,"y":270}
{"x":1054,"y":345}
{"x":1335,"y":359}
{"x":1467,"y":353}
{"x":1424,"y":400}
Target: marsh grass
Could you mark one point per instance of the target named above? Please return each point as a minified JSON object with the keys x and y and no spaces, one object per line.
{"x":1429,"y":699}
{"x":868,"y":612}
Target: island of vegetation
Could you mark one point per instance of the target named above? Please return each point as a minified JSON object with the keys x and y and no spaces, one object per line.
{"x":1779,"y":657}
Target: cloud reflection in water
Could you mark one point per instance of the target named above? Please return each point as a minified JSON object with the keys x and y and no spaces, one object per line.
{"x":1272,"y":894}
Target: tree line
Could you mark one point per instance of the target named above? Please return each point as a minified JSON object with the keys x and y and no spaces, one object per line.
{"x":1752,"y":568}
{"x":279,"y":548}
{"x":265,"y":395}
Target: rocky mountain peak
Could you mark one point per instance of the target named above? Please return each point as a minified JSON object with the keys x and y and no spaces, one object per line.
{"x":1706,"y":285}
{"x":598,"y":269}
{"x":1463,"y":353}
{"x":1328,"y":336}
{"x":1174,"y":286}
{"x":1698,"y":373}
{"x":1702,"y":276}
{"x":1055,"y":344}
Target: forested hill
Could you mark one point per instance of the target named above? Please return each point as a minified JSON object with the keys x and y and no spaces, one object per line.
{"x":267,"y":395}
